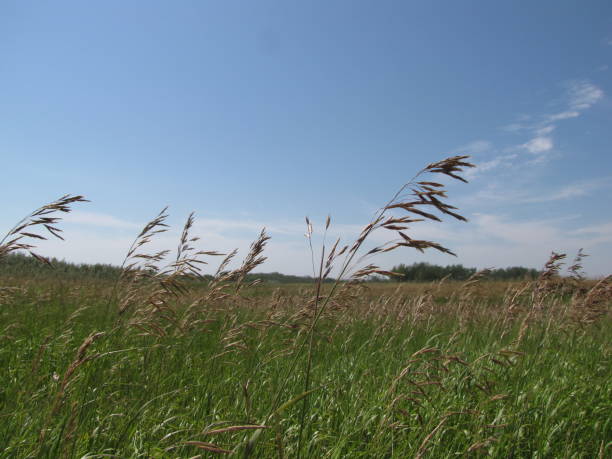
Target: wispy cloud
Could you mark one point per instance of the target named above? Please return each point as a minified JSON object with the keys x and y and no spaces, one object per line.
{"x":545,"y":130}
{"x":583,"y":95}
{"x":565,"y":115}
{"x":492,"y":164}
{"x":538,"y":145}
{"x":579,"y":96}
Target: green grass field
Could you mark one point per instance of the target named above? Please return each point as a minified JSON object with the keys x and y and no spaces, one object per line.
{"x":152,"y":359}
{"x":410,"y":371}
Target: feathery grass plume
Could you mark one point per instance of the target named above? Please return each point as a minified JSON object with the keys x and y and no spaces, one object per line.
{"x":417,"y":199}
{"x":24,"y":233}
{"x":465,"y":301}
{"x":576,"y":270}
{"x":596,"y":304}
{"x":412,"y":198}
{"x":475,"y":279}
{"x":552,"y":267}
{"x":140,"y":266}
{"x":188,"y":264}
{"x":514,"y":301}
{"x":227,"y":282}
{"x":169,"y":283}
{"x":146,"y":287}
{"x":217,"y":289}
{"x":253,"y":259}
{"x":541,"y":296}
{"x":575,"y":283}
{"x":545,"y":284}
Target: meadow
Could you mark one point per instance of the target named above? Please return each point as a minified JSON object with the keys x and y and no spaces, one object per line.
{"x":162,"y":362}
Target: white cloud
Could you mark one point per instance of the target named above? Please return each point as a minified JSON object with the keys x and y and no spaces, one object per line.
{"x":539,"y":145}
{"x":545,"y":130}
{"x":564,"y":115}
{"x":583,"y":95}
{"x":580,"y":95}
{"x":488,"y":165}
{"x":492,"y":164}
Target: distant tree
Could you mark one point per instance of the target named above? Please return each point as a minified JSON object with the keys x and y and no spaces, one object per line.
{"x":20,"y":265}
{"x":426,"y":272}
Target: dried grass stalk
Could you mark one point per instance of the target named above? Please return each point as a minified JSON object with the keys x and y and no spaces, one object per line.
{"x":24,"y":233}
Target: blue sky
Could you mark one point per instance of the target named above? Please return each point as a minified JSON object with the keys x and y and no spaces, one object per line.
{"x":259,"y":113}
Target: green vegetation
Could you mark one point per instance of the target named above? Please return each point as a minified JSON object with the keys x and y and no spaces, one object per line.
{"x":397,"y":374}
{"x":21,"y":266}
{"x":425,"y":272}
{"x":18,"y":265}
{"x":153,"y":359}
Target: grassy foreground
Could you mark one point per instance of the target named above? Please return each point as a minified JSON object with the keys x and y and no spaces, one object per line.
{"x":414,"y":371}
{"x":162,"y":362}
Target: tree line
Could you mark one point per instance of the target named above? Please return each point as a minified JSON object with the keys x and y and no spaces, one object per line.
{"x":424,"y":272}
{"x":20,"y":265}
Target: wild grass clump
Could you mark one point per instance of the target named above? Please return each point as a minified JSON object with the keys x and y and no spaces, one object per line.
{"x":163,"y":362}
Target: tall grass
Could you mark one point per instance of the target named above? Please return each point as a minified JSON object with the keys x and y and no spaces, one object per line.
{"x":164,"y":363}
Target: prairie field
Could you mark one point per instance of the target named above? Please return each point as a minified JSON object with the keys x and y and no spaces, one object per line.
{"x":155,"y":359}
{"x":396,"y":370}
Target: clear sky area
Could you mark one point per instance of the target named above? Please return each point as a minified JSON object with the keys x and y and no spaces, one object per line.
{"x":259,"y":113}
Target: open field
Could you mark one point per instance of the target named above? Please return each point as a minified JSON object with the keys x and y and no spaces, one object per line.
{"x":155,"y":360}
{"x":422,"y":370}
